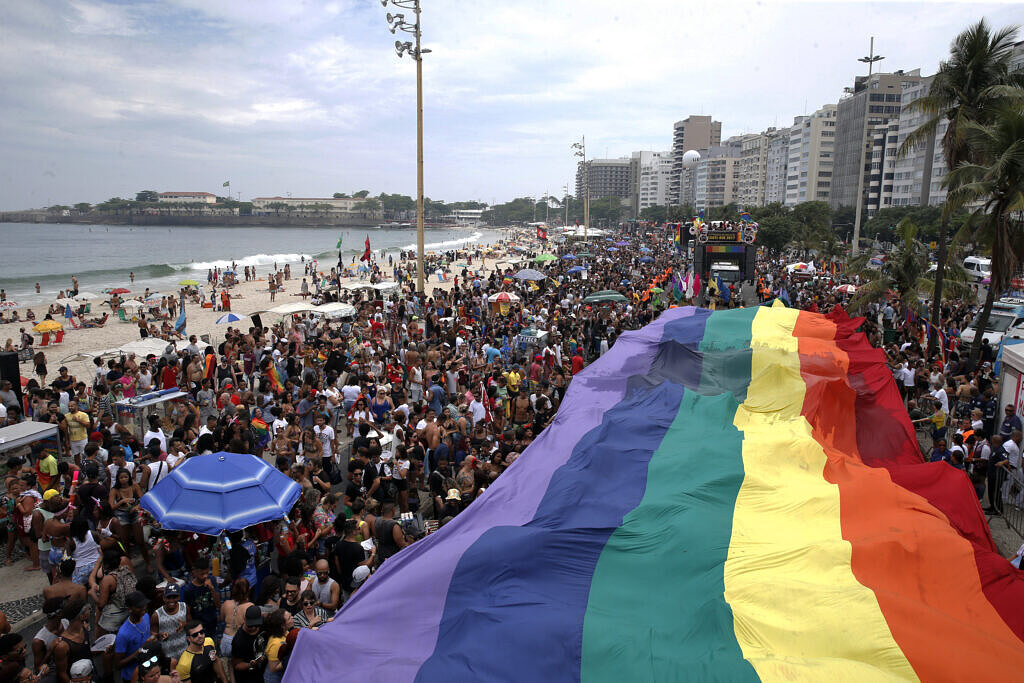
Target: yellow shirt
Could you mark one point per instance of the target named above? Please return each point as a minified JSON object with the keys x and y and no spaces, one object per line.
{"x":274,"y":644}
{"x":514,"y":378}
{"x":78,"y":426}
{"x":184,"y":667}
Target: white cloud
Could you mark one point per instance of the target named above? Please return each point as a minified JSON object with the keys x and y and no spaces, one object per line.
{"x":280,"y":95}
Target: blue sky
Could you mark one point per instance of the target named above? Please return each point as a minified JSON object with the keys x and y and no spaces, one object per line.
{"x":103,"y":99}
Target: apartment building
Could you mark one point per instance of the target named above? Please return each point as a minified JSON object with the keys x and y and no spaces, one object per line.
{"x":716,"y":177}
{"x":864,"y":117}
{"x":809,"y":159}
{"x":655,"y":176}
{"x":693,"y":132}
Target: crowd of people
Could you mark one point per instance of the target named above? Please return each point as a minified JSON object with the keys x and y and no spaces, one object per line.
{"x":392,"y":422}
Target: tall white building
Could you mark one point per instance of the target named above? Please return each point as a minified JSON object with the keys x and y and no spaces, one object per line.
{"x":753,"y":168}
{"x":655,"y":178}
{"x":810,"y":156}
{"x":918,"y":175}
{"x":716,"y":177}
{"x":775,"y":168}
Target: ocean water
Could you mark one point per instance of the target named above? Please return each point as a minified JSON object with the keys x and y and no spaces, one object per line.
{"x":102,"y":256}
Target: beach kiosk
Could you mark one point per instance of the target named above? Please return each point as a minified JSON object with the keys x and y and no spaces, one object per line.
{"x":24,"y":434}
{"x":528,"y":342}
{"x":133,"y":413}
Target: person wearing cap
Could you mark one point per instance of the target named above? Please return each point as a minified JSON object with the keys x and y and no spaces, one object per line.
{"x":168,"y":622}
{"x":42,"y":516}
{"x":81,"y":671}
{"x":247,"y":648}
{"x":134,"y":636}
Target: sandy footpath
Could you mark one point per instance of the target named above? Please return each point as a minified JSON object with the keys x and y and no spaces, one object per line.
{"x":247,"y":297}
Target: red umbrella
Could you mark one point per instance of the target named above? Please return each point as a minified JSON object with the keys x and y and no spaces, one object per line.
{"x":120,"y":290}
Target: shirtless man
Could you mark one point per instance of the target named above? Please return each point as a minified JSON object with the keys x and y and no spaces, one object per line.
{"x":63,"y":586}
{"x":522,"y":411}
{"x":430,"y":437}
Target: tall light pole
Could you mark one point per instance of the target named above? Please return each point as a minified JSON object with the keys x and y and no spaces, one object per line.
{"x":870,"y":61}
{"x":566,"y":200}
{"x":581,"y":151}
{"x":397,"y":22}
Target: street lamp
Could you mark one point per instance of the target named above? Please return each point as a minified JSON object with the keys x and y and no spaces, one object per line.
{"x":870,"y":61}
{"x":397,"y":23}
{"x":581,"y":151}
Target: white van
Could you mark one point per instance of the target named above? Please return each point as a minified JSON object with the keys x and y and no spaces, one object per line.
{"x":1007,"y":316}
{"x":978,"y":268}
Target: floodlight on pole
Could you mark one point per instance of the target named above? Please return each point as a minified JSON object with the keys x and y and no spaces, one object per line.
{"x":870,"y":60}
{"x":397,"y":23}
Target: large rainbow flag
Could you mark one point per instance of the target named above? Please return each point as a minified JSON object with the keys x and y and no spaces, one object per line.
{"x":730,"y":496}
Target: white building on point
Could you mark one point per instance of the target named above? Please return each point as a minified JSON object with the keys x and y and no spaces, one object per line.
{"x":309,"y":204}
{"x":187,"y":197}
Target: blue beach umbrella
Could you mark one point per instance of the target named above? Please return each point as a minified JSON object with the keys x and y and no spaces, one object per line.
{"x":646,"y":259}
{"x":228,"y":318}
{"x":211,"y":494}
{"x":576,"y":269}
{"x":569,"y":257}
{"x":612,"y":249}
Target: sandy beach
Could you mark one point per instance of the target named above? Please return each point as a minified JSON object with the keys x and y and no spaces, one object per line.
{"x":246,"y":298}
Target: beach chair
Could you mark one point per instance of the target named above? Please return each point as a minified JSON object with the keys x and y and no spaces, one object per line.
{"x":121,"y":316}
{"x":45,"y":339}
{"x":59,"y":339}
{"x":74,"y":323}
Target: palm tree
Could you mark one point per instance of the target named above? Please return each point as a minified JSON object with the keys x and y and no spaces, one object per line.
{"x":998,"y":183}
{"x":905,"y":271}
{"x":965,"y":89}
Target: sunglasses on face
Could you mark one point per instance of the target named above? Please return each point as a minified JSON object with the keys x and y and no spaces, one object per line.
{"x":309,"y":603}
{"x":197,"y":633}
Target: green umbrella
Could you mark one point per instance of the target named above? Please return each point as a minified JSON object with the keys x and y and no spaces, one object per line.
{"x":585,"y":254}
{"x":656,"y":290}
{"x":546,"y":257}
{"x":189,"y":283}
{"x":605,"y":296}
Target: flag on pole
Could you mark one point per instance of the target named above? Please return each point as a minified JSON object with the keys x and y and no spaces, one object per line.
{"x":723,"y":290}
{"x":745,"y":216}
{"x":366,"y":252}
{"x":341,"y":237}
{"x":542,"y":234}
{"x":227,"y":183}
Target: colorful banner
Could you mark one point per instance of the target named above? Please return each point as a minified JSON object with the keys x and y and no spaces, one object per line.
{"x":732,"y":495}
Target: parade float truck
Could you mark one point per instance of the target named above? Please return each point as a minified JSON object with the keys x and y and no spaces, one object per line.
{"x":724,"y":249}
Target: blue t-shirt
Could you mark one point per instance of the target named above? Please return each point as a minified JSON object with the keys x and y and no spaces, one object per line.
{"x":436,"y":392}
{"x":130,"y":638}
{"x":1009,"y":424}
{"x":492,"y":353}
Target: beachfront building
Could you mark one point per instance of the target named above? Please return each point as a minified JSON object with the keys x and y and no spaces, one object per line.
{"x":693,"y":132}
{"x":655,"y":176}
{"x":307,"y":205}
{"x":716,"y":179}
{"x":187,"y":198}
{"x":866,"y":119}
{"x":809,"y":162}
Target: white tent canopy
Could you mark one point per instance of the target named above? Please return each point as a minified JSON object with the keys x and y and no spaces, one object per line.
{"x":140,"y":347}
{"x":336,"y":309}
{"x":381,"y":286}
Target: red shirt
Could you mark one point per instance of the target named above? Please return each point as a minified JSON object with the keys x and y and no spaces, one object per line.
{"x":170,"y":377}
{"x":577,"y":364}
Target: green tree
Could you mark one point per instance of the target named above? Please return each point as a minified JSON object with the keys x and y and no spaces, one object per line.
{"x":998,"y":185}
{"x":362,"y":194}
{"x":147,"y":196}
{"x":966,"y":88}
{"x":277,"y":207}
{"x":83,"y":207}
{"x":657,"y":212}
{"x":608,"y":209}
{"x":905,"y":271}
{"x":368,"y":207}
{"x":775,"y":231}
{"x":340,"y":195}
